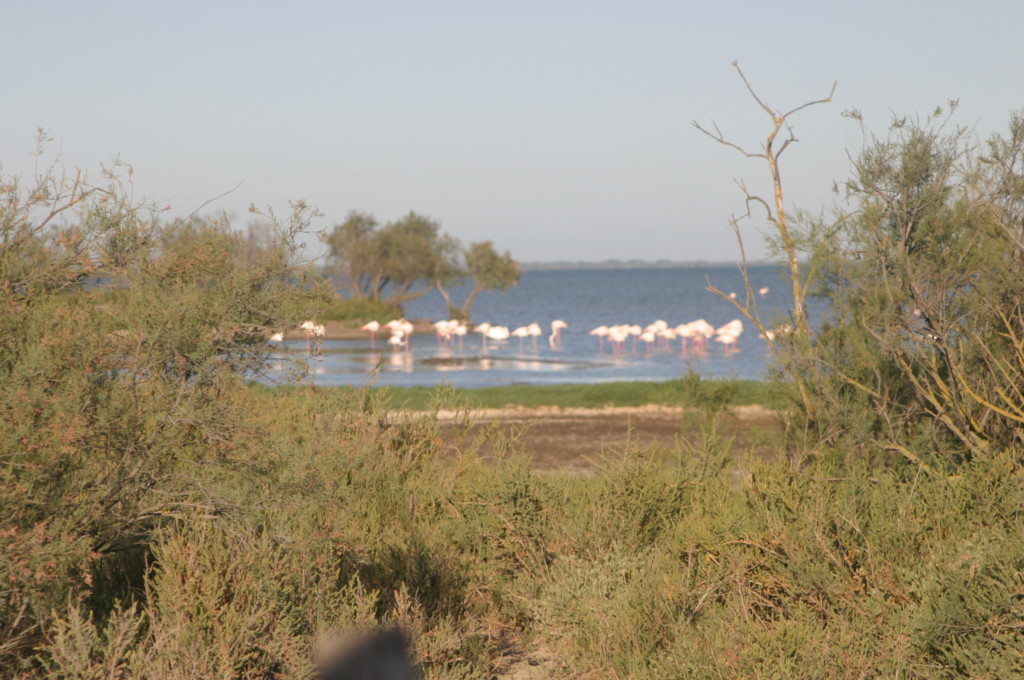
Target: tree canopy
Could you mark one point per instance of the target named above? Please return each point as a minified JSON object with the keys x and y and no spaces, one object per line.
{"x":407,"y":258}
{"x":489,"y":270}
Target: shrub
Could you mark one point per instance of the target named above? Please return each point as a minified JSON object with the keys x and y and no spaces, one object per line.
{"x":122,"y":340}
{"x":922,"y":356}
{"x":357,"y":311}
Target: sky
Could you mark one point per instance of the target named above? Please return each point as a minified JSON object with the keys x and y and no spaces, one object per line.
{"x":558,"y":130}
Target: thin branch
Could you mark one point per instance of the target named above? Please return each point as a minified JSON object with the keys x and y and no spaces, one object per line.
{"x":720,"y":138}
{"x":211,"y":200}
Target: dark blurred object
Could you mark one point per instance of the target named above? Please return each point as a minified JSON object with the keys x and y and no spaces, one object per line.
{"x":379,"y":655}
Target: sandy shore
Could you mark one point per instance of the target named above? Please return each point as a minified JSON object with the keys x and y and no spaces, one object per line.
{"x":558,"y":438}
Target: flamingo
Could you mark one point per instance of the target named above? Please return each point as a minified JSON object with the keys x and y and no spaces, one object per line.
{"x":635,"y":331}
{"x":684,"y":332}
{"x":460,"y":332}
{"x":521,"y":333}
{"x":762,"y":291}
{"x":535,"y":332}
{"x":666,"y":336}
{"x":657,"y":327}
{"x":313,"y":337}
{"x":780,"y":332}
{"x":498,"y":333}
{"x":372,"y":327}
{"x":401,"y":328}
{"x":649,"y":338}
{"x":729,"y":334}
{"x":734,"y":327}
{"x":600,"y":332}
{"x":443,"y":331}
{"x":703,"y":331}
{"x":482,"y":330}
{"x":728,"y":340}
{"x":406,"y":327}
{"x":555,"y":339}
{"x":277,"y":337}
{"x":309,"y":327}
{"x":617,"y":337}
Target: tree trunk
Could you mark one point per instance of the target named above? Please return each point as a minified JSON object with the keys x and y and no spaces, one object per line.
{"x":464,"y":312}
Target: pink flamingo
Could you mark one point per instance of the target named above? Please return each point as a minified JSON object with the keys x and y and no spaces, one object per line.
{"x":460,"y":332}
{"x":684,"y":332}
{"x":535,"y":332}
{"x":443,"y":331}
{"x":309,"y":327}
{"x":482,"y":329}
{"x":555,"y":340}
{"x":521,"y":333}
{"x":617,"y":337}
{"x":666,"y":336}
{"x":600,"y":332}
{"x":372,"y":327}
{"x":635,"y":332}
{"x":728,"y":341}
{"x":703,"y":331}
{"x":649,"y":338}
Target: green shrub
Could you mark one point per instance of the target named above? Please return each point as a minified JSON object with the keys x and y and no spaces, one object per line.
{"x":922,"y":357}
{"x":358,"y":311}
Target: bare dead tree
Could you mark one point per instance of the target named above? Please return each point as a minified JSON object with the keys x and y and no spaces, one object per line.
{"x":779,"y":138}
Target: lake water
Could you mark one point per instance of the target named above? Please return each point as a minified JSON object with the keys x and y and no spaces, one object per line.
{"x":584,"y":299}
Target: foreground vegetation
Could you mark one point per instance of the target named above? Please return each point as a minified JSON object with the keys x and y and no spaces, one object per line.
{"x":161,"y":519}
{"x":329,"y":514}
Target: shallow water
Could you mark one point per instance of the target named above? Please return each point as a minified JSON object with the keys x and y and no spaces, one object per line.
{"x":584,"y":299}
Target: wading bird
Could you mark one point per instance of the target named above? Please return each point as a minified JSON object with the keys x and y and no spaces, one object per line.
{"x":372,"y":327}
{"x":555,"y":339}
{"x":535,"y":332}
{"x":521,"y":333}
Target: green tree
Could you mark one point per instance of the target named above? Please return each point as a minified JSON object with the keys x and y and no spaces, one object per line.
{"x":489,"y":270}
{"x":403,"y":260}
{"x":414,"y":256}
{"x":353,"y":255}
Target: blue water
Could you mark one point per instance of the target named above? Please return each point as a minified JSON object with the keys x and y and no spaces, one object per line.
{"x":584,"y":299}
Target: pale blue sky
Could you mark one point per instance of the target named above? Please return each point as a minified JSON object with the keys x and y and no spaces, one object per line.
{"x":559,"y":130}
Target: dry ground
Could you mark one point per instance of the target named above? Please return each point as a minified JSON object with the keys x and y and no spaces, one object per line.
{"x":574,"y":439}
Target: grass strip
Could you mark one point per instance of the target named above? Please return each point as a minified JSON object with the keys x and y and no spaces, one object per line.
{"x":687,"y":391}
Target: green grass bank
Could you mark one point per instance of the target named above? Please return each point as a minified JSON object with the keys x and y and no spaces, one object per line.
{"x":690,"y":391}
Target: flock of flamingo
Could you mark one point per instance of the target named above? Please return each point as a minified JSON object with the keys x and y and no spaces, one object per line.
{"x":657,"y":335}
{"x":693,"y":335}
{"x":451,"y":329}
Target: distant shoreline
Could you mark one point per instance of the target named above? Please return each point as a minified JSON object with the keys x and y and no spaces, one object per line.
{"x":631,"y":264}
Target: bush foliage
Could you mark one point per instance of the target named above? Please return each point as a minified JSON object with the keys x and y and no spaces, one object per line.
{"x":923,"y":356}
